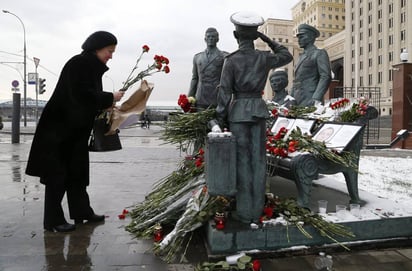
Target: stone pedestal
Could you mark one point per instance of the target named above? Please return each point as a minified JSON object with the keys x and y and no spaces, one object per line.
{"x":402,"y":102}
{"x":238,"y":237}
{"x":220,"y":166}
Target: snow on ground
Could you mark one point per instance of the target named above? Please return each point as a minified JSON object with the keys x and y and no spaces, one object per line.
{"x":385,"y":184}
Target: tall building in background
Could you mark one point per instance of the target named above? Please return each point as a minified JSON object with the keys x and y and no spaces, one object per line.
{"x":327,"y":16}
{"x":376,"y":32}
{"x":364,"y":39}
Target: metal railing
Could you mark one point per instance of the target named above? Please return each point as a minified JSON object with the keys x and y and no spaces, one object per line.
{"x":373,"y":94}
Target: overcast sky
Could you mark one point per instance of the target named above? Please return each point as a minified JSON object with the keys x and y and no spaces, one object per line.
{"x":55,"y":30}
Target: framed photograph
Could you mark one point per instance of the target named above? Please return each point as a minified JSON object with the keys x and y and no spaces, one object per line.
{"x":290,"y":124}
{"x":337,"y":135}
{"x":305,"y":125}
{"x":282,"y":122}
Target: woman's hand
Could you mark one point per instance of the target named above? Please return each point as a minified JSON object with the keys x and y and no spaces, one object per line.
{"x":117,"y":95}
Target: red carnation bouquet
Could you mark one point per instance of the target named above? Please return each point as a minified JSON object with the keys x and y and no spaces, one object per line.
{"x":160,"y":64}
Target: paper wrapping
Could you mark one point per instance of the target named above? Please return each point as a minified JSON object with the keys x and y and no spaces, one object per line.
{"x":135,"y":104}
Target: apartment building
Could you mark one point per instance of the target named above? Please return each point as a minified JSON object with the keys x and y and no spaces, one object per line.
{"x":376,"y":32}
{"x":327,"y":16}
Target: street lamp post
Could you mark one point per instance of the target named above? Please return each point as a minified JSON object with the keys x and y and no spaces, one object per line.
{"x":25,"y":65}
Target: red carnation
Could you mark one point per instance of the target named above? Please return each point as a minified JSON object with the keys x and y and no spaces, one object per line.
{"x":166,"y":69}
{"x":275,"y":112}
{"x":145,"y":48}
{"x":165,"y":60}
{"x":198,"y":162}
{"x":268,"y":211}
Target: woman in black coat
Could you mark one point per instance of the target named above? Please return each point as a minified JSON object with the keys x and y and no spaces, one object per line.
{"x":59,"y":153}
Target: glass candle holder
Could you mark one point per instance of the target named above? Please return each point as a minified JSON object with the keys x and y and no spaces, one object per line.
{"x":220,"y":220}
{"x":158,"y":233}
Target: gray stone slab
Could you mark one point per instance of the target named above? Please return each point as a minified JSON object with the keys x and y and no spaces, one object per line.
{"x":235,"y":238}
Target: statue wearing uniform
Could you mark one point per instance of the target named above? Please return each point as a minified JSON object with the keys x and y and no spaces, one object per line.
{"x":207,"y":68}
{"x":312,"y":71}
{"x":241,"y":105}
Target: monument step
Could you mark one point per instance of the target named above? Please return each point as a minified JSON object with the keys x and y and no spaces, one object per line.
{"x":238,"y":237}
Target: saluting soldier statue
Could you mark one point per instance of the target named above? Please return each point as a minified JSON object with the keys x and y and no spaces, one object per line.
{"x":240,"y":104}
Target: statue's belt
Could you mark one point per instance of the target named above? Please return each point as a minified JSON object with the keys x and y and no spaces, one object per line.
{"x":245,"y":95}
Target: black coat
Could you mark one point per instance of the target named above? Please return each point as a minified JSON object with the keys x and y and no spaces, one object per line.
{"x":60,"y":143}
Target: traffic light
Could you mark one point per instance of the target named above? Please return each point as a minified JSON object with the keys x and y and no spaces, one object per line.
{"x":42,"y":85}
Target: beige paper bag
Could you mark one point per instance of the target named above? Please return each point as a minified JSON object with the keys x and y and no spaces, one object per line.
{"x":135,"y":104}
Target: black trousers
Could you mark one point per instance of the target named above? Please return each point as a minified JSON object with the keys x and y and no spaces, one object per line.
{"x":77,"y":199}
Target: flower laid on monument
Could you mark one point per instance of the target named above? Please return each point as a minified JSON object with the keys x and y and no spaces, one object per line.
{"x":286,"y":142}
{"x":180,"y":202}
{"x":187,"y":130}
{"x":186,"y":103}
{"x":274,"y":113}
{"x":356,"y":111}
{"x":278,"y":146}
{"x":293,"y":112}
{"x":288,"y":212}
{"x":199,"y":209}
{"x":168,"y":198}
{"x":244,"y":262}
{"x":339,"y":104}
{"x":123,"y":214}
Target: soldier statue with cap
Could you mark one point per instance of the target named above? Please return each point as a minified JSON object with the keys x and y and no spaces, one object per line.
{"x":312,"y":71}
{"x":278,"y":81}
{"x":240,"y":104}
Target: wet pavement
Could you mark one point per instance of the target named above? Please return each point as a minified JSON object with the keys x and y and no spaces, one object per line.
{"x":119,"y":180}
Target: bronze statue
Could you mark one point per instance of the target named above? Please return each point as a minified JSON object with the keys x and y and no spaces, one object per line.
{"x":207,"y":68}
{"x":240,"y":103}
{"x":312,"y":71}
{"x":278,"y":81}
